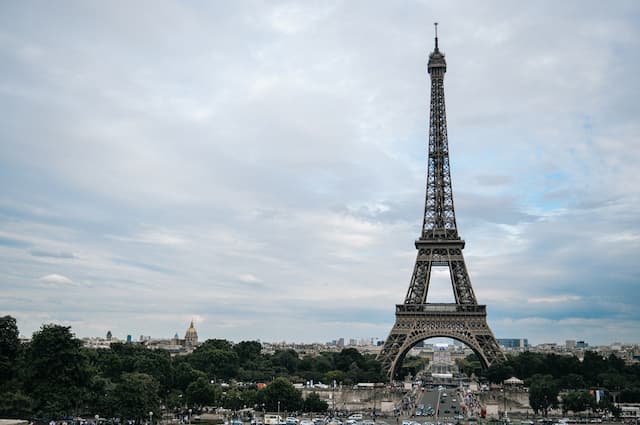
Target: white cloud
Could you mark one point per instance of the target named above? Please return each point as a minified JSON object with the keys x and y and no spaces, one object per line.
{"x":56,"y":279}
{"x":248,"y":278}
{"x":554,"y":299}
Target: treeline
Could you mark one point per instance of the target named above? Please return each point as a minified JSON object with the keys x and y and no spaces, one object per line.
{"x":549,"y":375}
{"x":53,"y":376}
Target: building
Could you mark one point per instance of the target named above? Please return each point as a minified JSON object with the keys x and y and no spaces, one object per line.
{"x":514,"y":343}
{"x":191,"y":337}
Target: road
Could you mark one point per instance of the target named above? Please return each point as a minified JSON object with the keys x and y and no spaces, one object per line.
{"x":447,"y":406}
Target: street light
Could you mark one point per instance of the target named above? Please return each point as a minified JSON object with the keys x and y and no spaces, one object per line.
{"x":279,"y":412}
{"x":190,"y":410}
{"x":151,"y":417}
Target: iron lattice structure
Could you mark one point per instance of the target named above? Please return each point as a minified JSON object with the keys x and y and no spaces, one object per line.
{"x":439,"y":245}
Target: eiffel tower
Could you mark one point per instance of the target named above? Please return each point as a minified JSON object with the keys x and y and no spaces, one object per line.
{"x":439,"y":245}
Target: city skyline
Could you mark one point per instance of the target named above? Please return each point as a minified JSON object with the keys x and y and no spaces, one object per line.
{"x":260,"y":167}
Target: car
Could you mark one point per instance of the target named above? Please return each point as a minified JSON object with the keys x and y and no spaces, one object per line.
{"x":356,"y":416}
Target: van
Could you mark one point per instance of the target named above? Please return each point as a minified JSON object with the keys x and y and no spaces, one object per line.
{"x":356,"y":416}
{"x":272,"y":419}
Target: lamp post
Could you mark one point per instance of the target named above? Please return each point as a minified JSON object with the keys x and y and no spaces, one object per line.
{"x":190,"y":410}
{"x":97,"y":417}
{"x":279,"y":421}
{"x":150,"y":417}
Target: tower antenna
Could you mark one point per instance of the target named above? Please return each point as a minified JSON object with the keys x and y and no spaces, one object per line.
{"x":435,"y":24}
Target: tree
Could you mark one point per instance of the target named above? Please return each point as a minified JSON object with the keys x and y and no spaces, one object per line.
{"x":216,"y":363}
{"x":612,"y":380}
{"x":286,"y":359}
{"x":184,"y":374}
{"x":577,"y":401}
{"x":216,"y":344}
{"x":58,"y":373}
{"x":280,"y":390}
{"x":313,"y":403}
{"x":336,"y":376}
{"x":15,"y":404}
{"x":235,"y":399}
{"x":468,"y":366}
{"x":135,"y":396}
{"x":543,"y":393}
{"x":247,"y":351}
{"x":573,"y":381}
{"x":345,"y":358}
{"x":499,"y":372}
{"x":9,"y":345}
{"x":201,"y":393}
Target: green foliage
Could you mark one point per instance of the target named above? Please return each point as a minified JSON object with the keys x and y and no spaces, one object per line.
{"x":470,"y":365}
{"x":247,"y":351}
{"x":573,"y":381}
{"x":285,"y":361}
{"x":15,"y":404}
{"x":412,"y":365}
{"x":9,"y":346}
{"x":336,"y":376}
{"x":217,"y":363}
{"x":235,"y":399}
{"x":499,"y":372}
{"x":184,"y":374}
{"x":577,"y":401}
{"x":280,"y":390}
{"x":216,"y":344}
{"x":201,"y":393}
{"x":130,"y":358}
{"x":58,"y":372}
{"x":135,"y":396}
{"x":313,"y":403}
{"x":543,"y":393}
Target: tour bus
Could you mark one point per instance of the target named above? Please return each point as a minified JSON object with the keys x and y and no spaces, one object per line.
{"x":272,"y":420}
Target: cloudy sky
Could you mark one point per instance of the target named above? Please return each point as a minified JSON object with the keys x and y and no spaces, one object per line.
{"x":259,"y":167}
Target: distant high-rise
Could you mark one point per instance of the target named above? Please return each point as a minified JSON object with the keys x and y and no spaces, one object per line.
{"x":514,"y":343}
{"x":109,"y":335}
{"x":191,"y":336}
